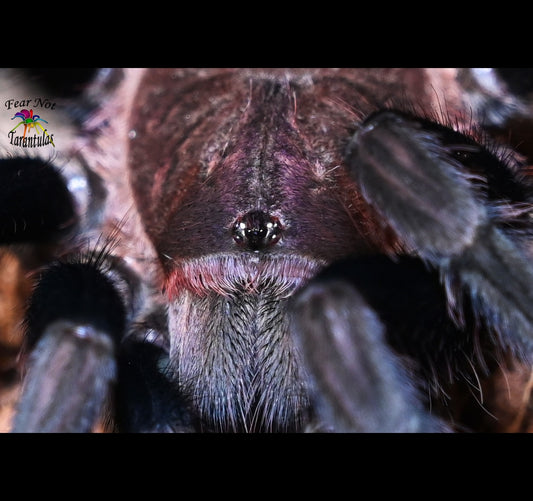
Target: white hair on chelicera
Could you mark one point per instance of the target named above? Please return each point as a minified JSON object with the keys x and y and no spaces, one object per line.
{"x":226,"y":274}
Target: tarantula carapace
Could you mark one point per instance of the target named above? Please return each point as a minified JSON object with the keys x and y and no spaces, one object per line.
{"x":268,"y":250}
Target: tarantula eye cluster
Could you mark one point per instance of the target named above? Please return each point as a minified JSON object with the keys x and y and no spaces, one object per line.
{"x":256,"y":230}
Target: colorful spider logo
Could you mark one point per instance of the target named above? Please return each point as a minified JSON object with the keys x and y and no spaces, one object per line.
{"x":30,"y":120}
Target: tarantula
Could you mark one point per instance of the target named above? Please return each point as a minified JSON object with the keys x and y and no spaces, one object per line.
{"x":269,"y":250}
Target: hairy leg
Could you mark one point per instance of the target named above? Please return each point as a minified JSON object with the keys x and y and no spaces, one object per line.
{"x":441,"y":194}
{"x":350,"y":324}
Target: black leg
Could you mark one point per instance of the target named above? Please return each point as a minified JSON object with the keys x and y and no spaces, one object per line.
{"x":74,"y":324}
{"x":441,"y":193}
{"x":147,"y":398}
{"x":350,"y":324}
{"x":35,"y":204}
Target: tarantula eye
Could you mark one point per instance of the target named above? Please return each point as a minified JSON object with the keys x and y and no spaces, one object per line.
{"x":256,"y":230}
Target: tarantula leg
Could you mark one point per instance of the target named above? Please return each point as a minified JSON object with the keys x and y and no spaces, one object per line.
{"x":357,"y":382}
{"x":499,"y":95}
{"x":35,"y":204}
{"x":75,"y":320}
{"x":146,"y":399}
{"x":433,"y":202}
